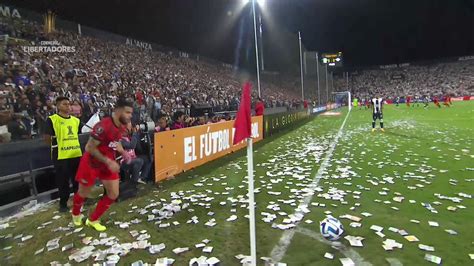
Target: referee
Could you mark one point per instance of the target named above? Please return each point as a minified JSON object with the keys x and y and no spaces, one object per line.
{"x":62,"y":134}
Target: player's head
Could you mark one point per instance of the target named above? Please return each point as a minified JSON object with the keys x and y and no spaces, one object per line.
{"x":63,"y":105}
{"x":123,"y":110}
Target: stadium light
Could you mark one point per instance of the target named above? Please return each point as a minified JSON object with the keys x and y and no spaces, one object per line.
{"x":261,"y":3}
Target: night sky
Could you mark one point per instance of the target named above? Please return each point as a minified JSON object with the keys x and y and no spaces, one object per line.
{"x":368,"y":32}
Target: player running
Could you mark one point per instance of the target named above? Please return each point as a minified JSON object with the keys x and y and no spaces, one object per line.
{"x":436,"y":101}
{"x":446,"y":101}
{"x":426,"y":101}
{"x":377,"y":104}
{"x":99,"y":162}
{"x":416,"y":101}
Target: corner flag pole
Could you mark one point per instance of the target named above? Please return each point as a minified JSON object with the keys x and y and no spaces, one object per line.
{"x":253,"y":244}
{"x":243,"y":131}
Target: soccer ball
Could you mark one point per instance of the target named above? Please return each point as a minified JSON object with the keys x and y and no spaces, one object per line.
{"x":331,"y":228}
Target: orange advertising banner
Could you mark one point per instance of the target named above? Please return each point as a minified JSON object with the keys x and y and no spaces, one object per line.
{"x":183,"y":149}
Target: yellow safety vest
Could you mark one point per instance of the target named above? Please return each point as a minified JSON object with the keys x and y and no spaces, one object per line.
{"x":67,"y":138}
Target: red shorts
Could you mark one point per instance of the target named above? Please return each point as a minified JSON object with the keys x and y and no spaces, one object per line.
{"x":86,"y":174}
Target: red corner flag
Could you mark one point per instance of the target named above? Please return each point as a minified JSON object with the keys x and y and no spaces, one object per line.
{"x":243,"y":120}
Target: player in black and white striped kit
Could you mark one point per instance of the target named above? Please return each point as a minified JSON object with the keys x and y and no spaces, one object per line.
{"x":377,"y":107}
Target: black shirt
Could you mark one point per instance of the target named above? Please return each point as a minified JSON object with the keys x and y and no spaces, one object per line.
{"x":18,"y":130}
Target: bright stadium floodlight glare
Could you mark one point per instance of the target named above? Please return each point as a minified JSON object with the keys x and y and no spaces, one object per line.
{"x":261,"y":3}
{"x":245,"y":1}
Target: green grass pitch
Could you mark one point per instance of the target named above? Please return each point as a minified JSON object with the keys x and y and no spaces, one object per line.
{"x":424,"y":156}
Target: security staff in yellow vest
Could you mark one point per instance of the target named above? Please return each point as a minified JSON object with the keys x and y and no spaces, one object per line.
{"x":62,"y":134}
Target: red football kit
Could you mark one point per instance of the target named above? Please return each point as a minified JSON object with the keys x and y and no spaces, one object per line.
{"x":90,"y":168}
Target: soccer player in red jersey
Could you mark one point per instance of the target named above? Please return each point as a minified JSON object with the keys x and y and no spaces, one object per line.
{"x":99,"y":162}
{"x":436,"y":101}
{"x":446,"y":101}
{"x":408,"y":101}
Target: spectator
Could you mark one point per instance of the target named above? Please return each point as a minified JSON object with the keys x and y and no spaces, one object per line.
{"x":76,"y":109}
{"x":18,"y":128}
{"x":178,"y":120}
{"x":135,"y":166}
{"x":162,"y":124}
{"x":259,"y":107}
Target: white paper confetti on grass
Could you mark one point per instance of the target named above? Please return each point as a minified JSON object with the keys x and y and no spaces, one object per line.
{"x":232,"y":218}
{"x":355,"y":224}
{"x":432,"y":258}
{"x":412,"y":238}
{"x":376,"y":228}
{"x":329,"y":256}
{"x":355,"y":241}
{"x":425,"y":247}
{"x":347,"y":262}
{"x":180,"y":250}
{"x":164,"y":261}
{"x":207,"y":249}
{"x":433,"y":224}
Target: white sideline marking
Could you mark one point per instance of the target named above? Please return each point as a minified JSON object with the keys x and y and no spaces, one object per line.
{"x":279,"y":249}
{"x":348,"y":252}
{"x":394,"y":262}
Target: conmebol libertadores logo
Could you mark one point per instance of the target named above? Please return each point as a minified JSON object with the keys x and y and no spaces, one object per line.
{"x":49,"y":47}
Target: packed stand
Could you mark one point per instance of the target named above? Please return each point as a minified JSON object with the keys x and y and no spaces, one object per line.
{"x":454,"y":79}
{"x":98,"y":72}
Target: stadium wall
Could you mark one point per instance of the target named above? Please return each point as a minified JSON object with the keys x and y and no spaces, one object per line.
{"x":180,"y":150}
{"x":277,"y":122}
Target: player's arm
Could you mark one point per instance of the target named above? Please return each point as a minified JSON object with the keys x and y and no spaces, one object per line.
{"x":91,"y":147}
{"x":49,"y":132}
{"x":120,"y":148}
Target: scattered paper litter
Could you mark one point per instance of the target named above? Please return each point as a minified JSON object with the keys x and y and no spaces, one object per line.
{"x":432,"y":258}
{"x":451,"y":232}
{"x":180,"y":250}
{"x":376,"y":228}
{"x":433,"y":224}
{"x":355,"y":241}
{"x":232,"y":218}
{"x":351,"y":217}
{"x":393,"y":229}
{"x":355,"y":225}
{"x":207,"y":249}
{"x":390,"y":244}
{"x":329,"y":256}
{"x":164,"y":261}
{"x":411,"y":238}
{"x":347,"y":262}
{"x":425,"y":247}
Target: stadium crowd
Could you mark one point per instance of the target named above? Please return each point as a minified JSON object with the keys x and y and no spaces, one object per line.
{"x":455,"y":79}
{"x":162,"y":86}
